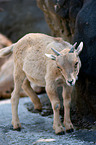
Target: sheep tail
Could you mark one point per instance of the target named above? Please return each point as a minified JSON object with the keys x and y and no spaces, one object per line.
{"x":7,"y":50}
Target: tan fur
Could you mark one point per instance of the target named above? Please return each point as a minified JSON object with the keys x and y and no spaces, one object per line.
{"x":31,"y":65}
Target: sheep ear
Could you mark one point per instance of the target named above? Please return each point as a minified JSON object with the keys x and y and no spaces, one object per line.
{"x":51,"y":56}
{"x":79,"y":48}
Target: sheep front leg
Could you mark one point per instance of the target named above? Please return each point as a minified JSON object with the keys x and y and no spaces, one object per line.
{"x":66,"y":102}
{"x":52,"y":94}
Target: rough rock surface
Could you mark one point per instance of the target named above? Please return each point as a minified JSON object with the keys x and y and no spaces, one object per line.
{"x":37,"y":130}
{"x":61,"y":16}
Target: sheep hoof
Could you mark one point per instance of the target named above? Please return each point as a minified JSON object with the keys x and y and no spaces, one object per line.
{"x":17,"y":129}
{"x":60,"y":133}
{"x":59,"y":130}
{"x":16,"y":125}
{"x":37,"y":111}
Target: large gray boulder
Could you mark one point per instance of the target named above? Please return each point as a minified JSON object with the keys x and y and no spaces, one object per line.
{"x":19,"y":17}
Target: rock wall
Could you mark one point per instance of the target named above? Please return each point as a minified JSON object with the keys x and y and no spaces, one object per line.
{"x":19,"y":17}
{"x":75,"y":20}
{"x":61,"y":16}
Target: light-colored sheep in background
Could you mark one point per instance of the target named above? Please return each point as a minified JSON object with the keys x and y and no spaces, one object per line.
{"x":44,"y":61}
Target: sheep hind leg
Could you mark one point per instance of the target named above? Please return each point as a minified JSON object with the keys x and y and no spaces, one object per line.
{"x":19,"y":76}
{"x":34,"y":98}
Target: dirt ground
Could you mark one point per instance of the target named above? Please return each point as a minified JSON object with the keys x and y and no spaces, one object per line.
{"x":37,"y":129}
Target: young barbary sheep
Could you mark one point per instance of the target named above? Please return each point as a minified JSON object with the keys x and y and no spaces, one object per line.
{"x":44,"y":61}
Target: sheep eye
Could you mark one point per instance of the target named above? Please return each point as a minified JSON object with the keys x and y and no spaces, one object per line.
{"x":58,"y":67}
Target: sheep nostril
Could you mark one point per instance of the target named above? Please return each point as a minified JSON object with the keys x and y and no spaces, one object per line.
{"x":70,"y":82}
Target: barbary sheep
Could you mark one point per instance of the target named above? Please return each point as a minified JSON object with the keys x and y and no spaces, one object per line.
{"x":49,"y":62}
